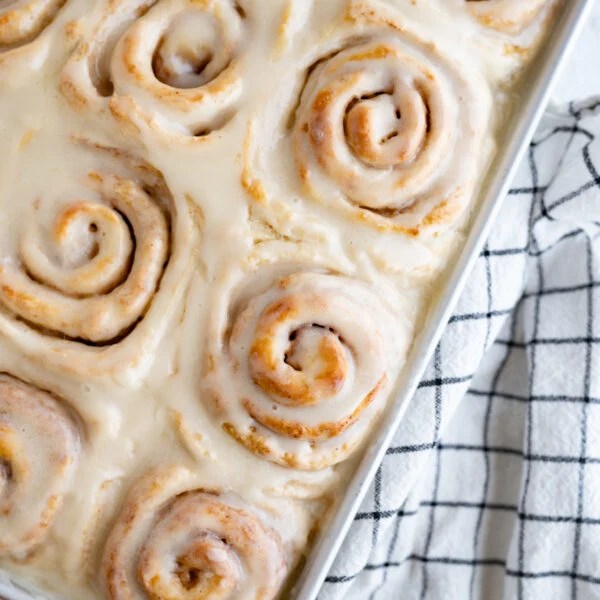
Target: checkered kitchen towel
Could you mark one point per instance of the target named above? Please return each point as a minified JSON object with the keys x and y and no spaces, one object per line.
{"x":492,"y":486}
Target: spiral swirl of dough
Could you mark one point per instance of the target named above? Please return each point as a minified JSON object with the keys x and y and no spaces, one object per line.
{"x":306,"y":368}
{"x":510,"y":16}
{"x":93,"y":276}
{"x":174,"y":542}
{"x":21,"y":21}
{"x":382,"y":129}
{"x":39,"y":449}
{"x":171,"y":63}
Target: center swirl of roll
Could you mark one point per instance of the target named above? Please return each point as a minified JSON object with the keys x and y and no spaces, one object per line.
{"x":385,"y":129}
{"x":297,"y":363}
{"x":192,"y":51}
{"x":203,"y":564}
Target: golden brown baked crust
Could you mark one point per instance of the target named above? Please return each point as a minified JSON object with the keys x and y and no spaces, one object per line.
{"x":511,"y":16}
{"x":21,"y":22}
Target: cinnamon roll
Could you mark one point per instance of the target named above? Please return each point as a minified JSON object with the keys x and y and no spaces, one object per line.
{"x":174,"y":541}
{"x":510,"y":16}
{"x":172,"y":64}
{"x":383,"y":127}
{"x":39,"y":450}
{"x":84,"y":283}
{"x":95,"y":285}
{"x":304,"y":367}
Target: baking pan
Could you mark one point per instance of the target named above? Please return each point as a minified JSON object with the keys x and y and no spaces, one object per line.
{"x":542,"y":74}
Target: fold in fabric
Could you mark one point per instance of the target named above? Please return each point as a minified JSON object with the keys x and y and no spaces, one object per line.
{"x":491,"y":488}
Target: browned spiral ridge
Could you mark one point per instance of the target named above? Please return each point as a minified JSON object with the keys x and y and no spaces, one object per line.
{"x":21,"y":21}
{"x":510,"y":16}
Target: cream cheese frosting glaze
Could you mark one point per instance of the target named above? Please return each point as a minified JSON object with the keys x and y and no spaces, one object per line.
{"x":381,"y":127}
{"x":222,"y":223}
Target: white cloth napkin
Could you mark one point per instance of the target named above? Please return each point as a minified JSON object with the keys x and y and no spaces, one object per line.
{"x":491,"y":488}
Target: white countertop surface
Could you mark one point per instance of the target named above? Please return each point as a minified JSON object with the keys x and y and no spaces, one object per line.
{"x":581,"y":76}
